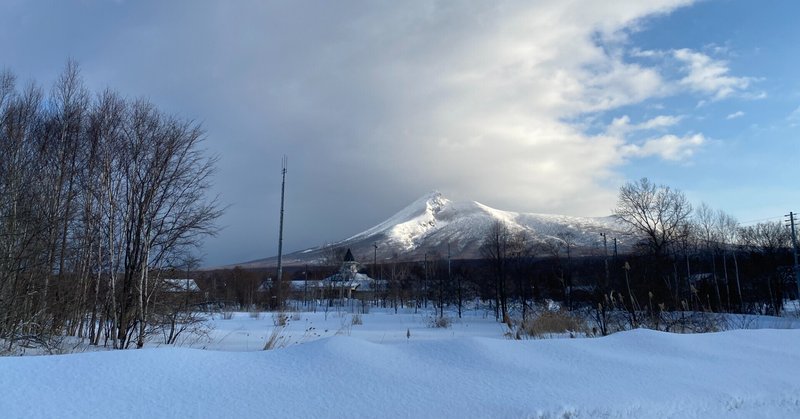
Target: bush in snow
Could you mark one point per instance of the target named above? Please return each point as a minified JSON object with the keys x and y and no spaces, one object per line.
{"x":553,"y":323}
{"x":276,"y":339}
{"x":442,"y":322}
{"x":280,"y":319}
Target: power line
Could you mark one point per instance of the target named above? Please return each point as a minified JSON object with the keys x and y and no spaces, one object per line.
{"x":742,"y":223}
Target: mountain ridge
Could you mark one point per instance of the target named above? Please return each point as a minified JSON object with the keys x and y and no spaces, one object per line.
{"x":435,"y":224}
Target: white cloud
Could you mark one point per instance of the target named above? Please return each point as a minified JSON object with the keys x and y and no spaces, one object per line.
{"x":661,"y":121}
{"x":668,"y":147}
{"x":717,"y":49}
{"x":707,"y":75}
{"x":737,"y":114}
{"x":465,"y":102}
{"x":647,"y":53}
{"x":621,"y":126}
{"x":794,"y":117}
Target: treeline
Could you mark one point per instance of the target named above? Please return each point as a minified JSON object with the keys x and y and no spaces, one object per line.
{"x":98,"y":193}
{"x":686,"y":259}
{"x":703,"y":259}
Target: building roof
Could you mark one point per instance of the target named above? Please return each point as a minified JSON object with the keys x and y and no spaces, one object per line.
{"x":358,"y":281}
{"x":180,"y":285}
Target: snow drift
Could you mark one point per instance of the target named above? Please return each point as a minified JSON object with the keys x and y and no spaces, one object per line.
{"x":637,"y":374}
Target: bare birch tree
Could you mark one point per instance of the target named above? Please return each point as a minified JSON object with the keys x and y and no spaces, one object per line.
{"x":96,"y":195}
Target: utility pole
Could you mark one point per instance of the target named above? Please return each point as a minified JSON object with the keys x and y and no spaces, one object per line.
{"x":425,"y":288}
{"x":374,"y":259}
{"x":279,"y":280}
{"x":448,"y":262}
{"x":605,"y":255}
{"x":374,"y":264}
{"x":792,"y":224}
{"x":449,"y":280}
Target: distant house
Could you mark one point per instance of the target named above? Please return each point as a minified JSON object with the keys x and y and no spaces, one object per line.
{"x":180,"y":290}
{"x":349,"y":283}
{"x":178,"y":285}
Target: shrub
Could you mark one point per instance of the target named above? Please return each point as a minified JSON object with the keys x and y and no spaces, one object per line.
{"x":356,"y":320}
{"x":276,"y":339}
{"x":280,"y":319}
{"x":442,"y":322}
{"x":345,"y":328}
{"x":688,"y":322}
{"x":553,"y":322}
{"x":507,"y":321}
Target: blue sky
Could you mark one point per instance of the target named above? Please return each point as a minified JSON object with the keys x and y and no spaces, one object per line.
{"x":537,"y":106}
{"x":749,"y":167}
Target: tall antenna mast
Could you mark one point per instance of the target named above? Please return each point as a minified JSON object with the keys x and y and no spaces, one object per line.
{"x":279,"y":281}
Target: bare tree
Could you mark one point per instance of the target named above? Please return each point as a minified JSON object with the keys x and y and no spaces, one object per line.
{"x":166,"y":176}
{"x":706,"y":221}
{"x":768,"y":240}
{"x":658,"y":213}
{"x":23,"y":228}
{"x":557,"y":243}
{"x":765,"y":237}
{"x":500,"y":245}
{"x":95,"y":194}
{"x":728,"y":233}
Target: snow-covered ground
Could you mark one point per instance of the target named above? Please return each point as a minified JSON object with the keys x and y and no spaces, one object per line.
{"x":396,"y":366}
{"x":244,"y":333}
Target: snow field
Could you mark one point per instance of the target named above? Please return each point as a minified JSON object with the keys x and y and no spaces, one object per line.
{"x":244,"y":333}
{"x":374,"y":370}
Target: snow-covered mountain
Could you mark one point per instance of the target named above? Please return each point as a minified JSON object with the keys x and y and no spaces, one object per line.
{"x":431,"y":223}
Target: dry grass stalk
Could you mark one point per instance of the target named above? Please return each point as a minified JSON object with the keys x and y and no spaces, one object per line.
{"x":554,"y":322}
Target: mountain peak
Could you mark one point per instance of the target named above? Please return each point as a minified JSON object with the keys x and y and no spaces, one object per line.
{"x":415,"y":218}
{"x":433,"y":194}
{"x":433,"y":198}
{"x":436,"y":201}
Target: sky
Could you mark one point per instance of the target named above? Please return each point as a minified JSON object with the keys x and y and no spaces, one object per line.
{"x":534,"y":106}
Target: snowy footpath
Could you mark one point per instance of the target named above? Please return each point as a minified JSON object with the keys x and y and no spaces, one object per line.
{"x":636,"y":374}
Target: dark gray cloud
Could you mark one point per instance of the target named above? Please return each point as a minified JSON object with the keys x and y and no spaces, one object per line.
{"x":375,"y":103}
